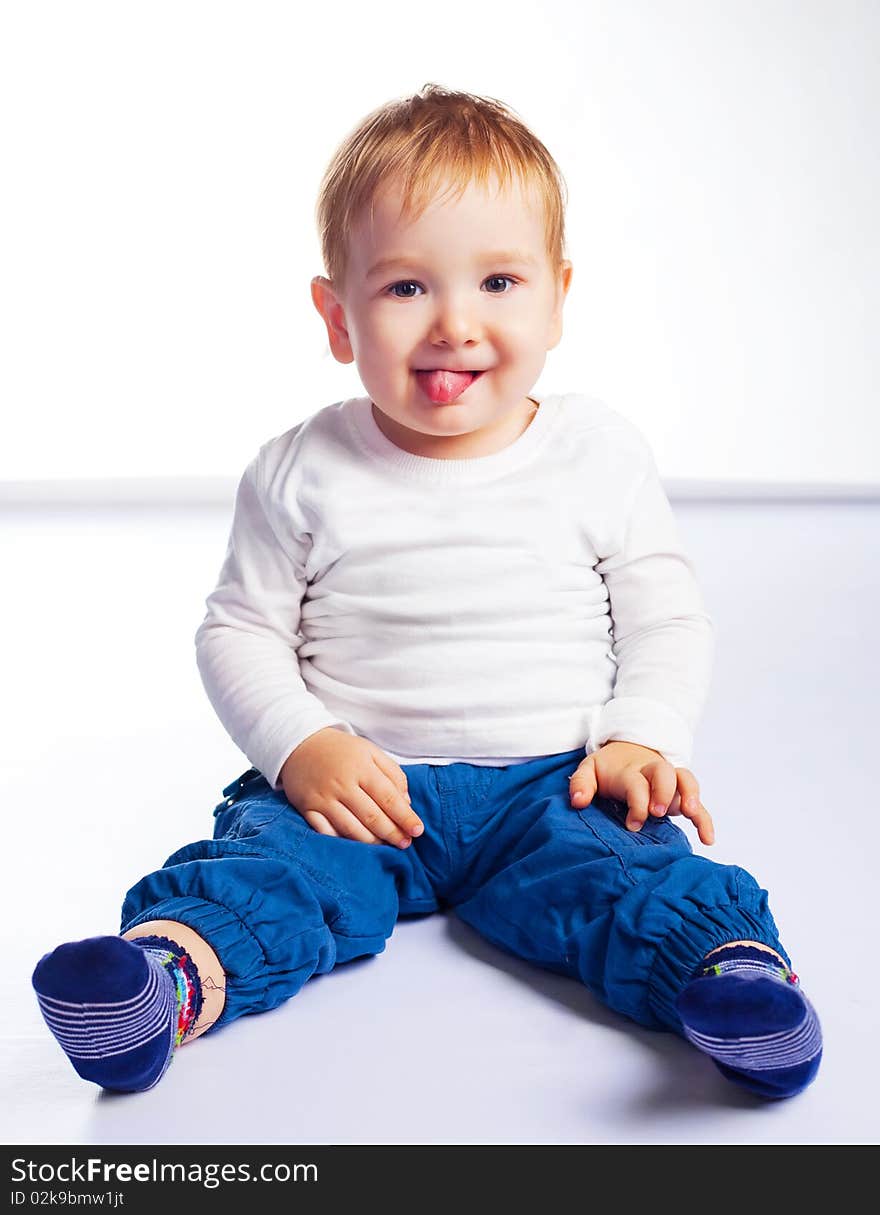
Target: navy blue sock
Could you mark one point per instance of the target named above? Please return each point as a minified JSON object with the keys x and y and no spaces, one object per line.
{"x":118,"y":1007}
{"x":746,"y":1010}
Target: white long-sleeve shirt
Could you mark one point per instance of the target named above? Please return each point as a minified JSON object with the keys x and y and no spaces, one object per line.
{"x":490,"y":610}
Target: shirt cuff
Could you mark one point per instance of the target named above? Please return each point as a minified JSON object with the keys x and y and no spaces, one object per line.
{"x":650,"y":723}
{"x":274,"y":765}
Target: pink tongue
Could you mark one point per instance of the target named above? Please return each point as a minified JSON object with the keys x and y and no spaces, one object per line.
{"x":445,"y":386}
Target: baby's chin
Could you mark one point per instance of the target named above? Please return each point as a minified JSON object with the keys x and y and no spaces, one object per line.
{"x":455,"y":431}
{"x":455,"y":418}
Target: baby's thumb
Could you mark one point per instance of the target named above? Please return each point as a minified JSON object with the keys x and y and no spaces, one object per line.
{"x":583,"y":784}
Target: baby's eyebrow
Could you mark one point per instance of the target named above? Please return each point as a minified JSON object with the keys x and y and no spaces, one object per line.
{"x":503,"y":255}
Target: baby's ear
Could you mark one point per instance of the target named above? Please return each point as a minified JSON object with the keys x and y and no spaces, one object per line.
{"x":319,"y":287}
{"x":333,"y":315}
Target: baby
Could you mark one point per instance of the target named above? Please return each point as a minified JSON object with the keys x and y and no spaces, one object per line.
{"x":458,"y":638}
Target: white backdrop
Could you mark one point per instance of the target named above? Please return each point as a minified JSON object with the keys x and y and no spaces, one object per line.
{"x":161,"y":164}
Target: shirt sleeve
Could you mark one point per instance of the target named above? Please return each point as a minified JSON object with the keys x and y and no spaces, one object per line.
{"x":246,"y":646}
{"x":662,"y":637}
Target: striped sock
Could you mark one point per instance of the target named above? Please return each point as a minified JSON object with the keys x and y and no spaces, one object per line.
{"x":118,"y":1008}
{"x":746,"y":1010}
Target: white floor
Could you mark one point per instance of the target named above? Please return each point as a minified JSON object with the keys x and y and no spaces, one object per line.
{"x":113,"y":758}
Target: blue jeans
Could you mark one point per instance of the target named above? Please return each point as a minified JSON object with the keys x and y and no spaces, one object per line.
{"x":629,"y":914}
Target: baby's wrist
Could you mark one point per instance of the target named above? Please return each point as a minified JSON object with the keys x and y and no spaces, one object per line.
{"x":620,"y":742}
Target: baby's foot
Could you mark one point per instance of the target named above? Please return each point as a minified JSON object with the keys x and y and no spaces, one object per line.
{"x":119,"y":1007}
{"x":745,"y":1009}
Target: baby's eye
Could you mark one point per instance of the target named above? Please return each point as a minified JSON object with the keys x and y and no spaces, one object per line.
{"x":500,"y":278}
{"x":494,"y":278}
{"x":407,"y":283}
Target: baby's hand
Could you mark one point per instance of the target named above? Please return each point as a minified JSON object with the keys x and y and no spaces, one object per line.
{"x":345,"y":785}
{"x":643,"y":779}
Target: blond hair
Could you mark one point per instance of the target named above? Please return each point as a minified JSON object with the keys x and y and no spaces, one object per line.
{"x":422,"y":140}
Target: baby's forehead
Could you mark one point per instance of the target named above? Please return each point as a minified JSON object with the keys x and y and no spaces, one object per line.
{"x":403,"y":206}
{"x":488,"y":212}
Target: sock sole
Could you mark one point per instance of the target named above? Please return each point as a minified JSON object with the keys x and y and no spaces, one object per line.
{"x":760,"y":1031}
{"x":112,"y":1008}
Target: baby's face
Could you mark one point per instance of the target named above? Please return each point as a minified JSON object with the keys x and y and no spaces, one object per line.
{"x":466,"y":286}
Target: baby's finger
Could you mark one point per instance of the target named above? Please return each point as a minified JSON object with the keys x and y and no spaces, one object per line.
{"x":662,"y":776}
{"x":694,"y":810}
{"x":343,"y":824}
{"x":319,"y":822}
{"x":381,"y":807}
{"x":582,"y":784}
{"x":638,"y":796}
{"x":401,"y":811}
{"x":688,"y":786}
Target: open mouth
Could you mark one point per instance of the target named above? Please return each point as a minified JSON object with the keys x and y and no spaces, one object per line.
{"x":442,"y":386}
